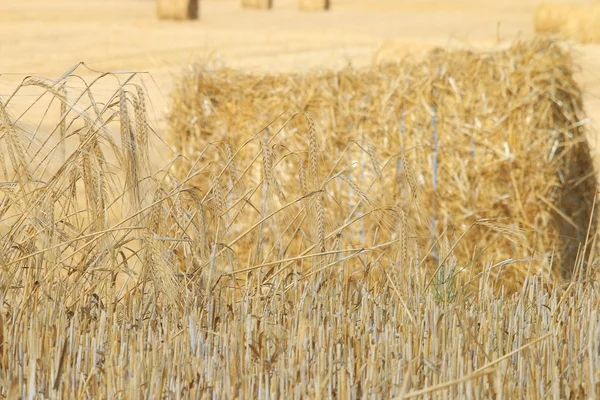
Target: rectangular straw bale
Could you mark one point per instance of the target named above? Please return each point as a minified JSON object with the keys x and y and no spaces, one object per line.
{"x":258,"y":4}
{"x":313,"y":5}
{"x":576,"y":22}
{"x":177,"y":9}
{"x":481,"y":153}
{"x":551,"y":18}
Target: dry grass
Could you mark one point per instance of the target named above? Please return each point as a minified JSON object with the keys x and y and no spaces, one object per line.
{"x":575,"y":22}
{"x":120,"y":280}
{"x":485,"y":151}
{"x":177,"y":9}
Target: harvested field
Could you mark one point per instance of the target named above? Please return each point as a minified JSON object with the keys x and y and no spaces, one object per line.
{"x":277,"y":262}
{"x":582,"y":25}
{"x":500,"y":169}
{"x":72,"y":327}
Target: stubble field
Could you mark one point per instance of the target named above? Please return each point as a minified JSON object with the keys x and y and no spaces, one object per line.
{"x":235,"y":212}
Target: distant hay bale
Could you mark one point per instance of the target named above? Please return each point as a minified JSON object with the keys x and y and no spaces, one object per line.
{"x":550,"y":18}
{"x":576,"y":22}
{"x":258,"y":4}
{"x":476,"y":159}
{"x":177,"y":9}
{"x":313,"y":5}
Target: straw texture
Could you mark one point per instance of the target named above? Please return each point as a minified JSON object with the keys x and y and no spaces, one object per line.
{"x":550,"y":18}
{"x":484,"y":154}
{"x":95,"y":305}
{"x":576,"y":22}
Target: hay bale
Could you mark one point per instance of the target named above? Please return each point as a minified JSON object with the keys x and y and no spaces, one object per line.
{"x":576,"y":22}
{"x":484,"y":152}
{"x":258,"y":4}
{"x":177,"y":9}
{"x":313,"y":5}
{"x":551,"y":18}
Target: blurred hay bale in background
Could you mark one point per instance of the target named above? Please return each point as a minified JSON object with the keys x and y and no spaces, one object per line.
{"x":258,"y":4}
{"x":481,"y":153}
{"x":313,"y":5}
{"x":177,"y":9}
{"x":578,"y":22}
{"x":550,"y":18}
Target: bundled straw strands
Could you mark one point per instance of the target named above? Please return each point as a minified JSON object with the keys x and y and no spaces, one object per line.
{"x":177,"y":9}
{"x":577,"y":22}
{"x":460,"y":159}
